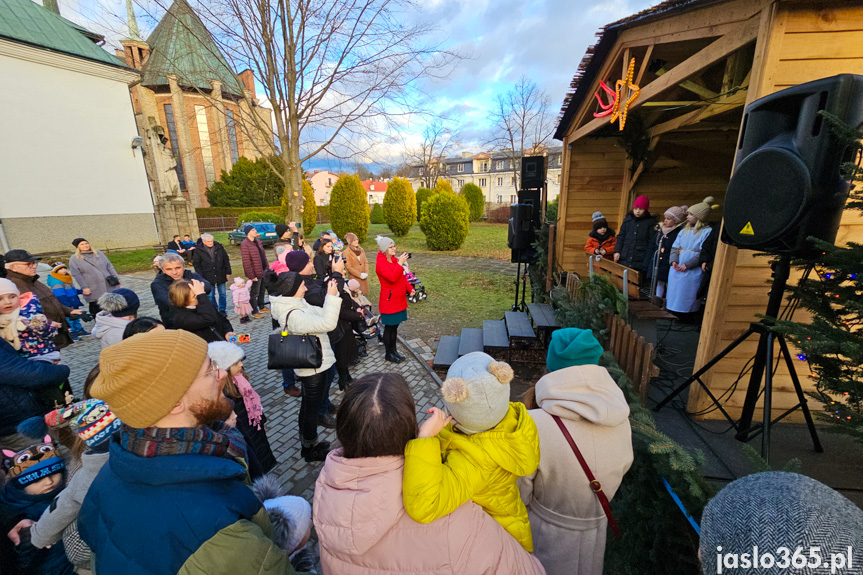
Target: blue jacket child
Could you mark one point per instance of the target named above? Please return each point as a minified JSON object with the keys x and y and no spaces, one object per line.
{"x":60,"y":282}
{"x":35,"y":476}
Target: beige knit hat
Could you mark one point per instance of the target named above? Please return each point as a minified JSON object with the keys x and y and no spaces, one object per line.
{"x":702,"y":209}
{"x":142,"y":378}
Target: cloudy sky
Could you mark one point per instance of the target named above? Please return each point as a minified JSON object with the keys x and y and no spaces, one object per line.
{"x":504,"y":39}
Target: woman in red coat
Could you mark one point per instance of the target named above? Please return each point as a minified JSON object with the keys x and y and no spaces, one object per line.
{"x":393,"y":303}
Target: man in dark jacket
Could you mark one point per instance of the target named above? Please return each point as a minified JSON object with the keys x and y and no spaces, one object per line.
{"x":212,"y":263}
{"x":21,"y":270}
{"x":173,"y":496}
{"x":21,"y":381}
{"x":173,"y":268}
{"x":254,"y":265}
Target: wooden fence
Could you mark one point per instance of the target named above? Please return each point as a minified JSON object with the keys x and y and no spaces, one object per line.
{"x":632,"y":352}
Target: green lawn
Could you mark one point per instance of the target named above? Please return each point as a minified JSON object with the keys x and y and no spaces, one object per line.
{"x":132,"y":261}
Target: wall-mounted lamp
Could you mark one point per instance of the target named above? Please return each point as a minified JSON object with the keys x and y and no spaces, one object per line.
{"x":137,"y":142}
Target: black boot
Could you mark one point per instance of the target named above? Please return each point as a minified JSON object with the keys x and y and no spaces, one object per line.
{"x":317,"y":452}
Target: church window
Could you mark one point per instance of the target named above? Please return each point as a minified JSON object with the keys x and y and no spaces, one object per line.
{"x":232,"y":136}
{"x":175,"y":144}
{"x":206,"y":149}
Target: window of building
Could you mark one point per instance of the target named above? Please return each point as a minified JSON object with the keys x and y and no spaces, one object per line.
{"x":422,"y":171}
{"x":558,"y":178}
{"x":206,"y":148}
{"x":484,"y":167}
{"x":329,"y":182}
{"x":460,"y":183}
{"x":511,"y":164}
{"x":371,"y":198}
{"x":232,"y":136}
{"x":499,"y":199}
{"x":461,"y":167}
{"x":482,"y":182}
{"x":175,"y":144}
{"x":500,"y":164}
{"x":513,"y":198}
{"x":500,"y":181}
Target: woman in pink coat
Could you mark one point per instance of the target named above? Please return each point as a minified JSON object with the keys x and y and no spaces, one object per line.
{"x":359,"y":516}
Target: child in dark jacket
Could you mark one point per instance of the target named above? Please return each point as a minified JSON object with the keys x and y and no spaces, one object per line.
{"x":636,"y":238}
{"x":601,"y":239}
{"x":34,"y":477}
{"x":251,"y":421}
{"x":60,"y":282}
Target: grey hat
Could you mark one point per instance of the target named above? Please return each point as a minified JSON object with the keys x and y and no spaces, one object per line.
{"x":384,"y":243}
{"x":476,"y":391}
{"x":773,"y":510}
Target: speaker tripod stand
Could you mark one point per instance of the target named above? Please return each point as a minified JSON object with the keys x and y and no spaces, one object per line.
{"x":763,"y":367}
{"x":521,"y":279}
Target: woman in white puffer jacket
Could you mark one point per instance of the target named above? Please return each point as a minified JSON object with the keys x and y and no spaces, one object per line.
{"x":286,"y":296}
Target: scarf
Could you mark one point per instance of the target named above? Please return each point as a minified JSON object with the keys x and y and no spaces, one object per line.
{"x":218,"y":441}
{"x":10,"y":325}
{"x":66,"y":279}
{"x":251,"y":400}
{"x":609,"y":233}
{"x":665,"y":231}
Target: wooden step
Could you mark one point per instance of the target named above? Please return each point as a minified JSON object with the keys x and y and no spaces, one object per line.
{"x":471,"y":340}
{"x":494,"y":334}
{"x":518,"y":325}
{"x":542,"y":315}
{"x":447,"y":351}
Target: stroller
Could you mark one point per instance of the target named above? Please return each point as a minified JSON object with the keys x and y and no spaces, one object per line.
{"x":419,"y":290}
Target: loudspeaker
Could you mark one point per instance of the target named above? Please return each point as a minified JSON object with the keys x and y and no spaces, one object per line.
{"x":532,"y":171}
{"x":787,"y":183}
{"x":533,"y":199}
{"x":521,"y":233}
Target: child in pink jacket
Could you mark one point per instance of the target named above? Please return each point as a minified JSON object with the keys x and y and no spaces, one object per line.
{"x":240,"y":294}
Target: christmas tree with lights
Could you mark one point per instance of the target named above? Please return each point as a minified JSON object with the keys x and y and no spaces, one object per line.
{"x":832,"y":342}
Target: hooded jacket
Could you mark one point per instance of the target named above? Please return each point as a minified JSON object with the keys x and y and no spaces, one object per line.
{"x":309,"y":319}
{"x":444,"y":472}
{"x":186,"y":514}
{"x":21,"y":380}
{"x":394,"y":286}
{"x":566,"y":518}
{"x":109,"y":329}
{"x":363,"y":528}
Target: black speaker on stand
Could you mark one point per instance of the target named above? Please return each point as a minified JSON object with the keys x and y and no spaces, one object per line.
{"x":786,"y":187}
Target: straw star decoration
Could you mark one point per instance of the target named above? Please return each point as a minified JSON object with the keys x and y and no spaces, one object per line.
{"x":621,"y":110}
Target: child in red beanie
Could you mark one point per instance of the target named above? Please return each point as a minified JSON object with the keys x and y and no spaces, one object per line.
{"x":636,"y":236}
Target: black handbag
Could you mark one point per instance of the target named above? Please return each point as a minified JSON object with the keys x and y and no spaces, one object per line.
{"x":113,"y":280}
{"x":293,"y":351}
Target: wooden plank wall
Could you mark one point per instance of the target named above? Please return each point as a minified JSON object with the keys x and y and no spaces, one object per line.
{"x":594,"y":178}
{"x":807,"y":44}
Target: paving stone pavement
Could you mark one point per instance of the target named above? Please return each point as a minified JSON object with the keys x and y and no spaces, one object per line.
{"x":297,"y":476}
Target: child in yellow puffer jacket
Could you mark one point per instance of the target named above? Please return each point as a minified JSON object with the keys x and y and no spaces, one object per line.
{"x":478,"y":457}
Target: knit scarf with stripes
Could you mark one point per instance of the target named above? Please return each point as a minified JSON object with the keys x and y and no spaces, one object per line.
{"x":218,"y":440}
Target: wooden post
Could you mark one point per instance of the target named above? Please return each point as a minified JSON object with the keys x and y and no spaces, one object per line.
{"x":550,"y":270}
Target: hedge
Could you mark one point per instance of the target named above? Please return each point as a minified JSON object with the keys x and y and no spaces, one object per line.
{"x":235,"y":212}
{"x":499,"y":215}
{"x":445,"y":221}
{"x":349,"y":208}
{"x":377,"y":214}
{"x":400,"y":207}
{"x":475,"y":200}
{"x":260,"y":217}
{"x":443,"y":185}
{"x":422,"y":195}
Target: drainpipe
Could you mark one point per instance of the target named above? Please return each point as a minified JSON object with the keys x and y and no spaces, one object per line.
{"x":3,"y":240}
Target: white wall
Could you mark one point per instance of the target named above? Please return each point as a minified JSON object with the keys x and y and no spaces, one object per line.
{"x":65,"y":144}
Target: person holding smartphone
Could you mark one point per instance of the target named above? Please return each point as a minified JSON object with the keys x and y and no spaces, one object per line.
{"x":393,"y":301}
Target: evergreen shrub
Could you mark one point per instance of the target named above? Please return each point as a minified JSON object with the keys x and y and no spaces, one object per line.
{"x":443,"y":185}
{"x":377,"y":214}
{"x":422,"y":195}
{"x":445,"y":221}
{"x":400,"y":206}
{"x":260,"y":217}
{"x":475,"y":200}
{"x":310,"y":210}
{"x":349,"y":209}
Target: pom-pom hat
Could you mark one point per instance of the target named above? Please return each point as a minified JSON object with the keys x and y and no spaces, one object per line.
{"x":702,"y":209}
{"x":384,"y":243}
{"x":476,"y":391}
{"x":225,"y":354}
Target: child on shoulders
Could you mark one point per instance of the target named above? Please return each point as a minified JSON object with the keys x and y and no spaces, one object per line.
{"x":490,"y":443}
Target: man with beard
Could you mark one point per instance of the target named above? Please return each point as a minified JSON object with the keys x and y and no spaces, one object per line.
{"x":173,"y":497}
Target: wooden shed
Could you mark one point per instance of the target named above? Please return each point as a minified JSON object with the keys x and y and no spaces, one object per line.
{"x":697,"y":64}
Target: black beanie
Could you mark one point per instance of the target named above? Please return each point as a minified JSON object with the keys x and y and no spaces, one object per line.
{"x":285,"y":284}
{"x":600,"y":223}
{"x":77,"y":241}
{"x":281,"y":229}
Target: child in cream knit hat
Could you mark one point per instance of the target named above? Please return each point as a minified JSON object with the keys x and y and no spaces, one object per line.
{"x":491,"y":443}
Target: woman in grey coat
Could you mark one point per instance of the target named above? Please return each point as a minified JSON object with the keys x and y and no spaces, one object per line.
{"x":91,"y":270}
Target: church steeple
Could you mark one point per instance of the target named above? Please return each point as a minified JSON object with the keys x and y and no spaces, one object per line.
{"x":133,"y":24}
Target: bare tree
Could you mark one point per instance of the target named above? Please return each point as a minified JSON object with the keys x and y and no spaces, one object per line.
{"x":522,"y":122}
{"x":426,"y":159}
{"x":336,"y":73}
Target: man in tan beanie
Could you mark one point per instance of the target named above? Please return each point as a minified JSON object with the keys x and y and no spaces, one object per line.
{"x":173,"y":497}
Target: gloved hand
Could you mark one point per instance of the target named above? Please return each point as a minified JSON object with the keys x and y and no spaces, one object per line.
{"x":363,"y":276}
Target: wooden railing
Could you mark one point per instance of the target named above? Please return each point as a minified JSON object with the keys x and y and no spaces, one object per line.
{"x":633,"y":353}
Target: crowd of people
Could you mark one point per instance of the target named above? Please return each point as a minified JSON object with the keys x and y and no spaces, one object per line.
{"x":161,"y":466}
{"x":674,"y":256}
